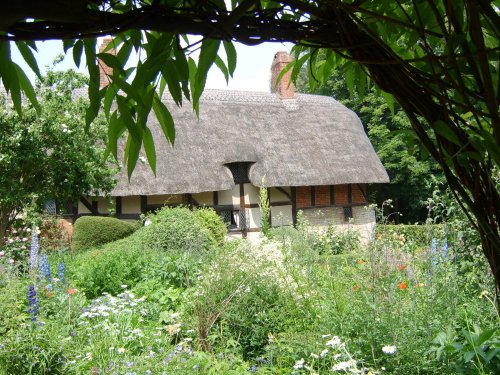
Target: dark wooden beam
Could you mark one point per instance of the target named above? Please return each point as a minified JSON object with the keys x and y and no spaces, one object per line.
{"x":144,"y":204}
{"x":294,"y":205}
{"x":313,"y":196}
{"x":88,"y":205}
{"x":118,"y":205}
{"x":332,"y":195}
{"x":243,"y":227}
{"x":349,"y":194}
{"x":216,"y":198}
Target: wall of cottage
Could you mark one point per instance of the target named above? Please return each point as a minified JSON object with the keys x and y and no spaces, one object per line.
{"x":321,"y":205}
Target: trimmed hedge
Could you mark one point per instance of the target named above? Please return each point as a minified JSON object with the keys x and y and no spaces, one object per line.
{"x":91,"y":231}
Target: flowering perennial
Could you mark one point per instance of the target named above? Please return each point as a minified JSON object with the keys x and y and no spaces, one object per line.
{"x":32,"y":303}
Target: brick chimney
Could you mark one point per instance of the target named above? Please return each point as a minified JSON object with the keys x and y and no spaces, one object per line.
{"x":103,"y":68}
{"x":285,"y":88}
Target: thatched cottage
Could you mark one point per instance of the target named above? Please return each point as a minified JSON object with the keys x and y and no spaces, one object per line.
{"x":311,"y":150}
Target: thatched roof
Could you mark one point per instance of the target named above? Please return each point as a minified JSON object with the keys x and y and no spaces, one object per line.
{"x":308,"y":140}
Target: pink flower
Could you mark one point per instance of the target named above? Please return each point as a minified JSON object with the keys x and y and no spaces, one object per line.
{"x":2,"y":253}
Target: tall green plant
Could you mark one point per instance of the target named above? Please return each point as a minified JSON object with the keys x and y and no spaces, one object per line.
{"x":265,"y":208}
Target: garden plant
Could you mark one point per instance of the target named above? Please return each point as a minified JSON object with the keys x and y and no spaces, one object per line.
{"x":172,"y":300}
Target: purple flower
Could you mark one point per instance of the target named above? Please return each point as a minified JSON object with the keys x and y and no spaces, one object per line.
{"x":32,"y":303}
{"x":61,"y":272}
{"x":253,"y":368}
{"x":45,"y":267}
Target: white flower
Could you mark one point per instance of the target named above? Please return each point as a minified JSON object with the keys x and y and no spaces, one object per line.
{"x":335,"y":341}
{"x":389,"y":349}
{"x":342,"y":366}
{"x":314,"y":355}
{"x":121,"y":350}
{"x":324,"y":353}
{"x":299,"y":364}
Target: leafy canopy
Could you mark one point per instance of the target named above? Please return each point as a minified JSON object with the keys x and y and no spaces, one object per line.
{"x":48,"y":155}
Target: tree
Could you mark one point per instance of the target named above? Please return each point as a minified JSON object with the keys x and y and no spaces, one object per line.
{"x":49,"y":155}
{"x":438,"y":59}
{"x":410,"y":169}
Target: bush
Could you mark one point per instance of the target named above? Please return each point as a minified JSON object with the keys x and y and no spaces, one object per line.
{"x":107,"y":269}
{"x":177,"y":230}
{"x":213,"y":223}
{"x":91,"y":231}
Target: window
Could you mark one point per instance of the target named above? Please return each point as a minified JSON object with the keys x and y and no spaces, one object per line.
{"x":240,"y":171}
{"x":347,"y":213}
{"x":234,"y":218}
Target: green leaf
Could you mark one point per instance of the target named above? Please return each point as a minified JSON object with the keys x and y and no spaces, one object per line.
{"x":165,"y":119}
{"x":208,"y":54}
{"x":222,"y":67}
{"x":133,"y":147}
{"x":149,"y":148}
{"x":231,"y":57}
{"x":28,"y":57}
{"x":115,"y":130}
{"x":127,"y":118}
{"x":445,"y":131}
{"x":67,"y":44}
{"x":389,"y":99}
{"x":193,"y":84}
{"x":77,"y":52}
{"x":112,"y":61}
{"x":94,"y":97}
{"x":26,"y":86}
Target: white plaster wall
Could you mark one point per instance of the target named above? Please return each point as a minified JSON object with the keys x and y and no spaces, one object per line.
{"x":165,"y":199}
{"x":278,"y":196}
{"x":254,"y":217}
{"x":251,"y":193}
{"x":230,"y":197}
{"x":82,"y":209}
{"x":131,"y":205}
{"x":102,"y":205}
{"x":205,"y":198}
{"x":281,"y":215}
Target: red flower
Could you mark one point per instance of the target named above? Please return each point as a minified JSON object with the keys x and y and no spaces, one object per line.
{"x":71,"y":291}
{"x":402,"y":285}
{"x":402,"y":267}
{"x":361,"y":261}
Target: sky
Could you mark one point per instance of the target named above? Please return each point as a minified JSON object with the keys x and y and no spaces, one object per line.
{"x":253,"y":68}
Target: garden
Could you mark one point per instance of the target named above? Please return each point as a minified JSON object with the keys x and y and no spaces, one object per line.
{"x":176,"y":297}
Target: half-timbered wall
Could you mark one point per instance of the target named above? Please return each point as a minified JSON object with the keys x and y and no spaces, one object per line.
{"x":239,"y":206}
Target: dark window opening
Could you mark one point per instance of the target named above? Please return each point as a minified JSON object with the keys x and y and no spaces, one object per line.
{"x":347,"y":213}
{"x":234,"y":218}
{"x":240,"y":171}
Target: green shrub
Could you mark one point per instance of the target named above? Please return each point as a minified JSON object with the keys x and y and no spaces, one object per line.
{"x":213,"y":223}
{"x":107,"y":269}
{"x":177,"y":230}
{"x":90,"y":231}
